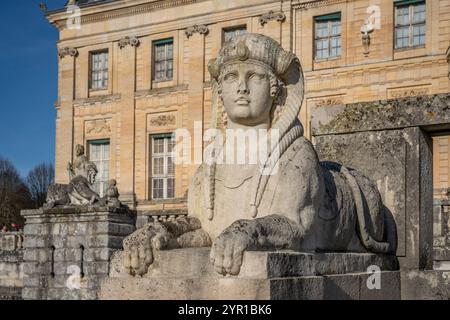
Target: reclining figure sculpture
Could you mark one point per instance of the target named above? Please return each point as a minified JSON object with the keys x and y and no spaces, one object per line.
{"x":307,"y":205}
{"x":79,"y":191}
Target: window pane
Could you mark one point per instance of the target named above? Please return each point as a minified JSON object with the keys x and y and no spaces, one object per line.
{"x":170,"y":188}
{"x":418,"y":35}
{"x":158,"y":188}
{"x":99,"y":154}
{"x":402,"y":37}
{"x":163,"y":170}
{"x":99,"y":70}
{"x":321,"y":29}
{"x":335,"y":28}
{"x":403,"y":15}
{"x":419,"y":13}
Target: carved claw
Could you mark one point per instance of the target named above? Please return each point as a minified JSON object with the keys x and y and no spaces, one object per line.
{"x":139,"y":248}
{"x":227,"y":252}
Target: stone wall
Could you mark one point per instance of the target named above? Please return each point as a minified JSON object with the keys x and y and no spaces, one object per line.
{"x":68,"y":251}
{"x":390,"y":141}
{"x":11,"y":266}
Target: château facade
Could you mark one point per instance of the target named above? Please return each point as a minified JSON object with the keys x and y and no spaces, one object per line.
{"x":131,"y":72}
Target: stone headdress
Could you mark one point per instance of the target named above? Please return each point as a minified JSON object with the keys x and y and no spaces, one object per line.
{"x":259,"y":49}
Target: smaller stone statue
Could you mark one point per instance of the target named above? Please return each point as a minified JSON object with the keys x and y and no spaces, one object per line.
{"x":79,"y":191}
{"x":112,"y":195}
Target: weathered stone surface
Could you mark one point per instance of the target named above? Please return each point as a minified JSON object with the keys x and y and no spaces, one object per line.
{"x":11,"y":274}
{"x":69,"y":249}
{"x":424,"y":111}
{"x":187,"y":274}
{"x":425,"y":285}
{"x":400,"y":162}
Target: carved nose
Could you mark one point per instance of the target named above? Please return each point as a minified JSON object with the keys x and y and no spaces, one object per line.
{"x":243,"y":89}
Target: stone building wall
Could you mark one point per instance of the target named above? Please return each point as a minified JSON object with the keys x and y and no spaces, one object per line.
{"x":133,"y":106}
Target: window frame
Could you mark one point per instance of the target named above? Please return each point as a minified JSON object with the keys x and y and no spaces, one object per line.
{"x":103,"y":184}
{"x":166,"y":175}
{"x":155,"y":44}
{"x":410,"y":25}
{"x":329,"y":37}
{"x":233,"y":28}
{"x":91,"y":69}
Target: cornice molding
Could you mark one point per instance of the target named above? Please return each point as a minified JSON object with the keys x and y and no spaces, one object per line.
{"x":201,"y":29}
{"x":315,"y":3}
{"x":67,"y":51}
{"x":133,"y":10}
{"x":278,"y":16}
{"x":125,"y":41}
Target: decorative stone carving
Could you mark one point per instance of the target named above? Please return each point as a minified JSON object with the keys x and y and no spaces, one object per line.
{"x":331,"y":101}
{"x":125,"y":41}
{"x":79,"y":192}
{"x":407,"y":92}
{"x":288,"y":200}
{"x":366,"y":29}
{"x":278,"y":16}
{"x":201,"y":29}
{"x":98,"y":127}
{"x":67,"y":51}
{"x":163,"y":120}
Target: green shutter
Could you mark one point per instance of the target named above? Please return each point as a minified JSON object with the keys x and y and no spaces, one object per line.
{"x":163,"y":136}
{"x":328,"y":17}
{"x":163,"y":41}
{"x":408,"y":2}
{"x":98,"y":142}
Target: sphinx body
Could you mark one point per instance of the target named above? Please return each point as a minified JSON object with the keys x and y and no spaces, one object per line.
{"x":303,"y":205}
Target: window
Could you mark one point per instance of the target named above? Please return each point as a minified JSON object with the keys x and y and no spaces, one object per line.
{"x":230,"y":33}
{"x":409,"y":23}
{"x":163,"y":61}
{"x":99,"y":70}
{"x":99,"y":154}
{"x":163,"y":167}
{"x":327,"y":39}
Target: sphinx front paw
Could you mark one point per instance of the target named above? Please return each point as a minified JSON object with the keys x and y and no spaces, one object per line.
{"x":228,"y":249}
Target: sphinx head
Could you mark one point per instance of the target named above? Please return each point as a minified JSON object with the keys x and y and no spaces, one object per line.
{"x":249,"y":71}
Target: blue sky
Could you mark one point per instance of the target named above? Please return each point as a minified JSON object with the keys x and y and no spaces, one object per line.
{"x":28,"y":83}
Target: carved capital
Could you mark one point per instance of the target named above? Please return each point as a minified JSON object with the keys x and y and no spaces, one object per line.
{"x":67,"y":51}
{"x":278,"y":16}
{"x":201,"y":29}
{"x":132,"y":41}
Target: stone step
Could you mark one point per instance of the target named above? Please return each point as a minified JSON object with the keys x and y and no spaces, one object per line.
{"x":188,"y":263}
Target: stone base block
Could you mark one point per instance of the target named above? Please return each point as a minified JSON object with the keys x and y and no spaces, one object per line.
{"x":68,"y":250}
{"x":187,"y":274}
{"x":425,"y":285}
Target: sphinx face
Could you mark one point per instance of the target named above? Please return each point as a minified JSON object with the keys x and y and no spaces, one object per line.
{"x":246,"y":93}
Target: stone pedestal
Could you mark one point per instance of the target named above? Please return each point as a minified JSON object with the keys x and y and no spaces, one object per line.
{"x":68,"y":251}
{"x":188,"y":274}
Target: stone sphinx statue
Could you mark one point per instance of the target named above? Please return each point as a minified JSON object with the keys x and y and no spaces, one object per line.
{"x":304,"y":205}
{"x":79,"y":191}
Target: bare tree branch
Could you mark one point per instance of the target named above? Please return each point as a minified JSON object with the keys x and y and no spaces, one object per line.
{"x":38,"y":181}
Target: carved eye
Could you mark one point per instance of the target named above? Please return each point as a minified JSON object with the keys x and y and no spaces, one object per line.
{"x":232,"y":76}
{"x":257,"y":76}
